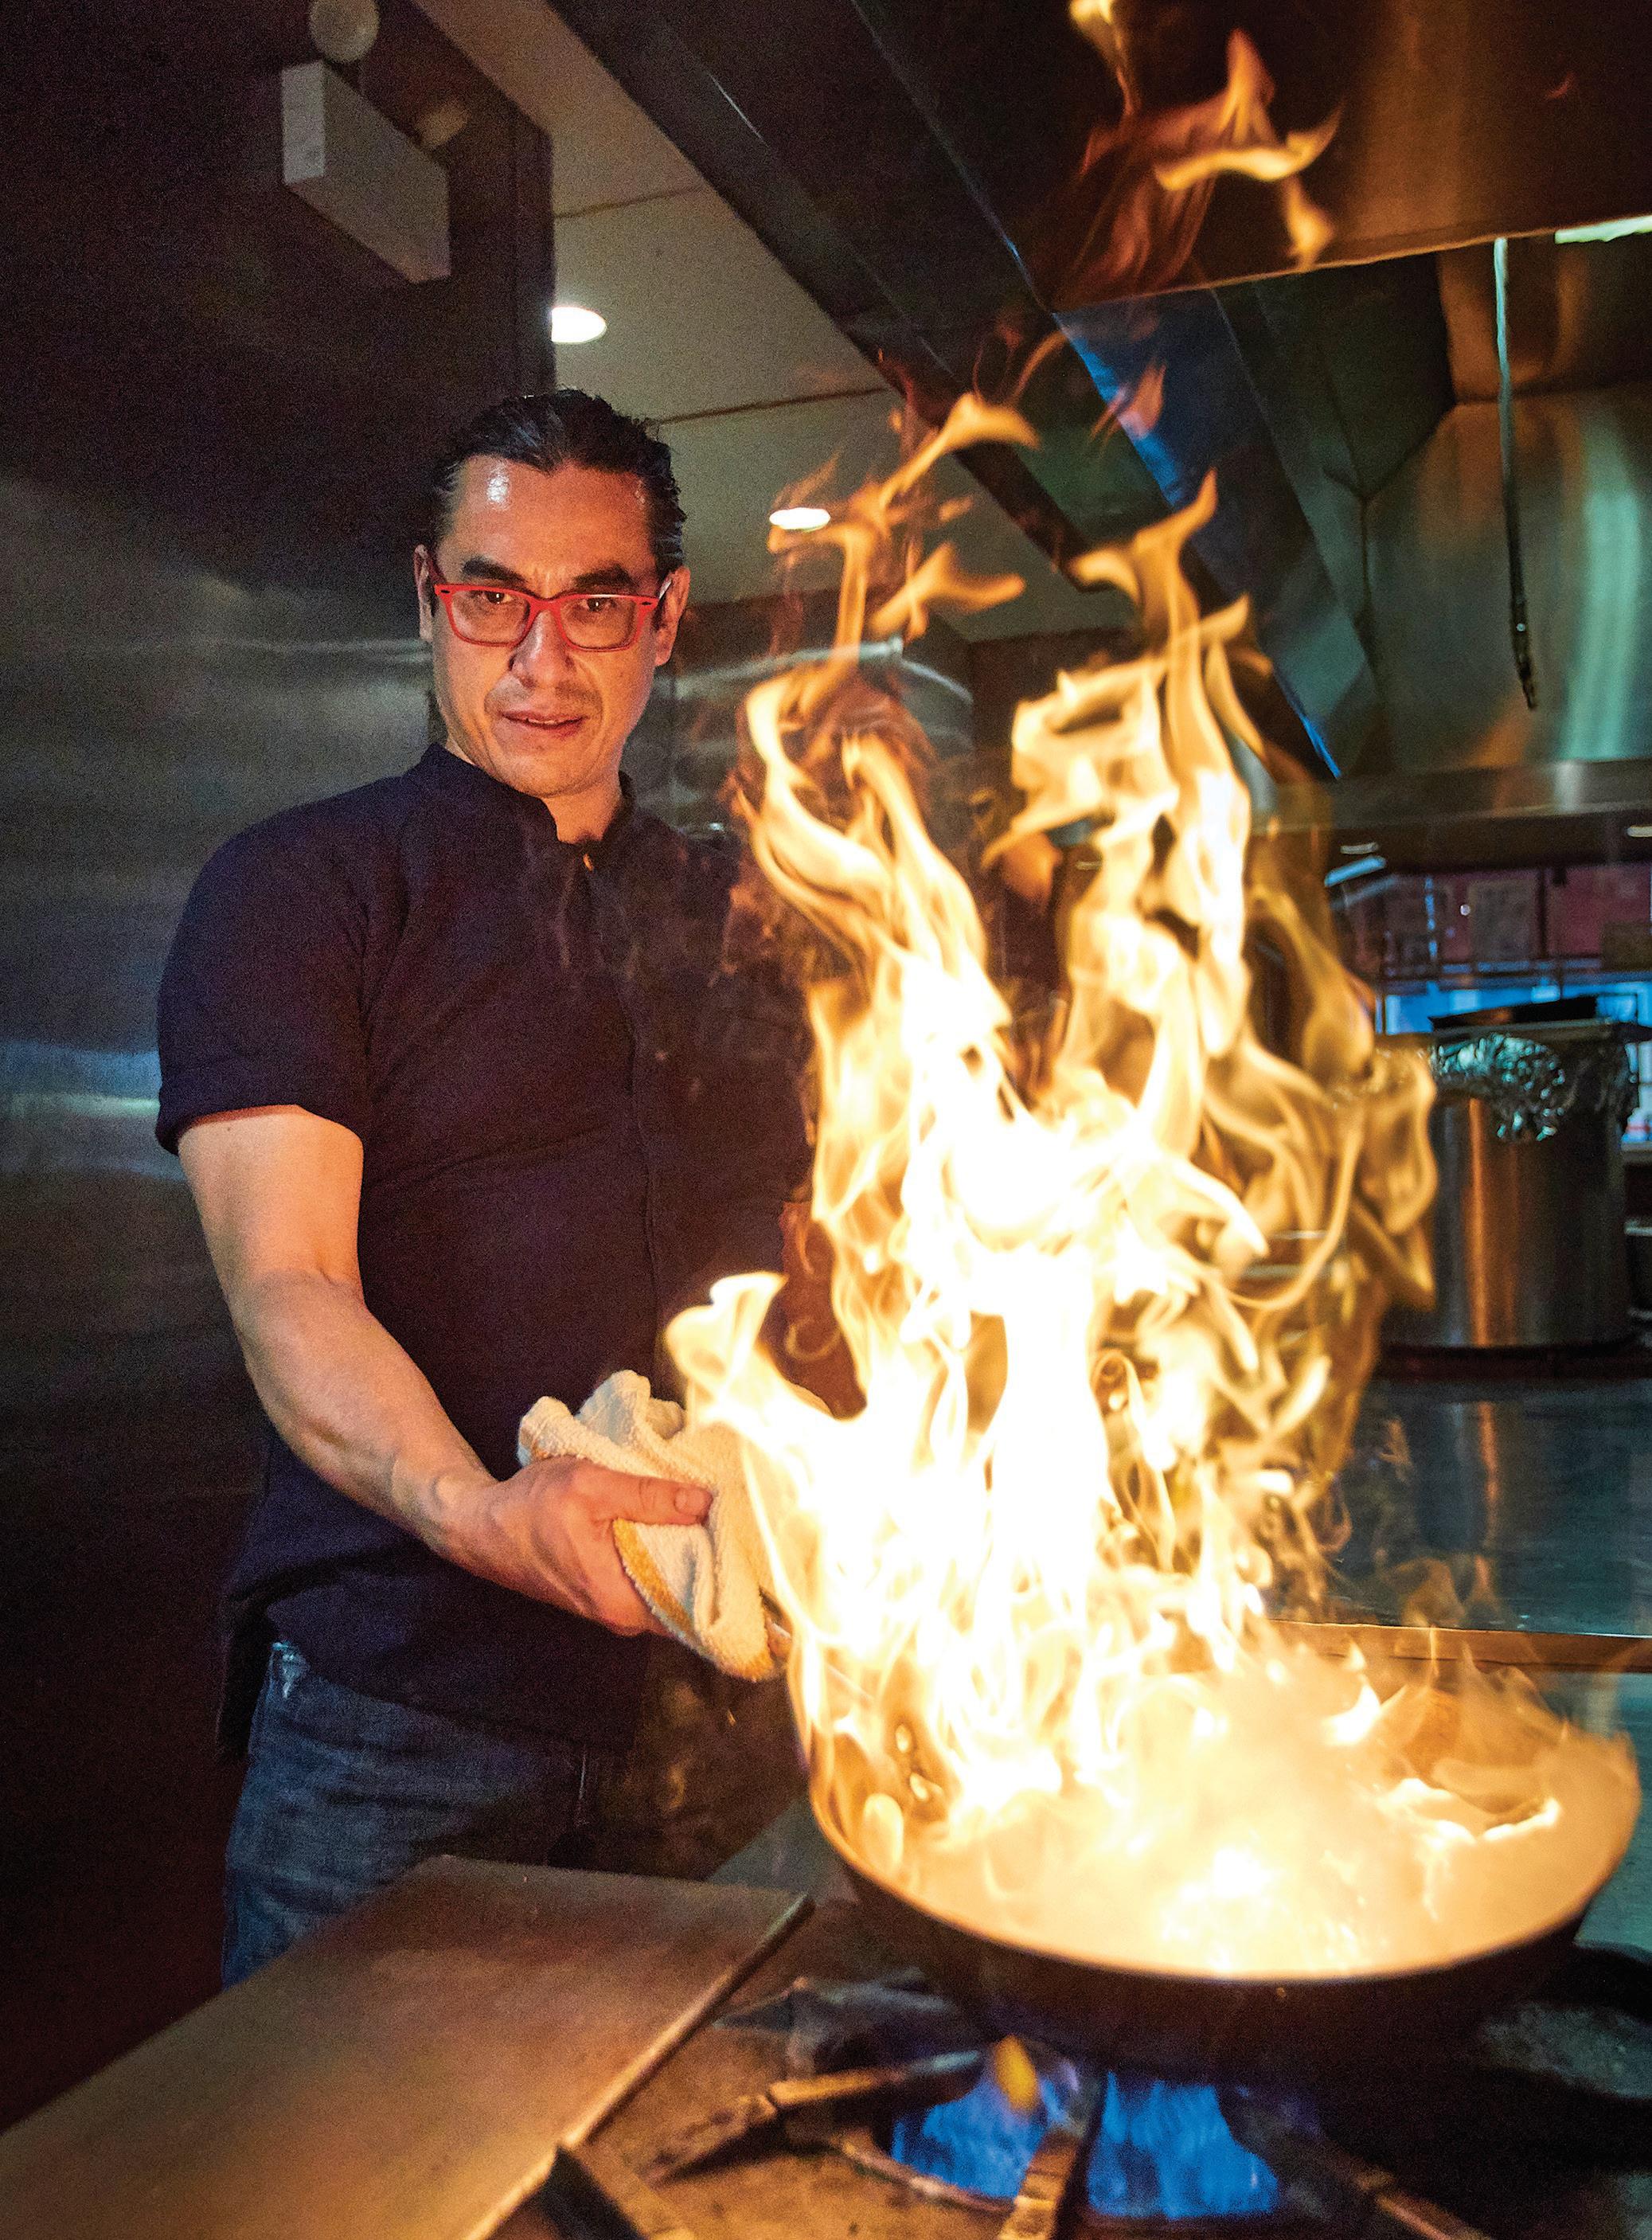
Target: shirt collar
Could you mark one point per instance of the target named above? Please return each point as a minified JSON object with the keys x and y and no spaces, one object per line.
{"x":460,"y":781}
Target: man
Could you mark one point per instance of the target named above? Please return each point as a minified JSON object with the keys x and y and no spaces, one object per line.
{"x":469,"y":1107}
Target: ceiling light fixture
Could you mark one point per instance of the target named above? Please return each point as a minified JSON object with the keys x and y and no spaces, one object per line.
{"x":572,"y":323}
{"x":1638,"y":831}
{"x":800,"y":516}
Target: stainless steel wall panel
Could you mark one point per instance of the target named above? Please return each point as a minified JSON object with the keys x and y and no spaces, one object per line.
{"x":218,"y":423}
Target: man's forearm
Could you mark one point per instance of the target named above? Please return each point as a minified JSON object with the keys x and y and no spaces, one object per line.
{"x":278,"y":1190}
{"x":349,"y":1402}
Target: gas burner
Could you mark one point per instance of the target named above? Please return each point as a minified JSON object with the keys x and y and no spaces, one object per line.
{"x":1069,"y":2150}
{"x":1054,"y":2137}
{"x":1541,"y":2122}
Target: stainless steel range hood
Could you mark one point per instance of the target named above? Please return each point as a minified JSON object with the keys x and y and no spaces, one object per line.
{"x":912,"y":164}
{"x":1455,"y":120}
{"x":1460,"y":120}
{"x":1465,"y":773}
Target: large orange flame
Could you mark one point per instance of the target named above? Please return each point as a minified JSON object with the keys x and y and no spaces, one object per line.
{"x":1110,"y":1293}
{"x":1128,"y":224}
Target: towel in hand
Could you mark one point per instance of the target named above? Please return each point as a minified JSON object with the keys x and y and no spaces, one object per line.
{"x":706,"y":1584}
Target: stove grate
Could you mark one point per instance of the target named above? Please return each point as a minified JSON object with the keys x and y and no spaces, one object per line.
{"x":1571,"y":2072}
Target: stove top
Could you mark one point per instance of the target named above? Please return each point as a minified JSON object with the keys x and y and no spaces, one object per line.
{"x":840,"y":2100}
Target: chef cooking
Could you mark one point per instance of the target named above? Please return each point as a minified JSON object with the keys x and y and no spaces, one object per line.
{"x":470,"y":1105}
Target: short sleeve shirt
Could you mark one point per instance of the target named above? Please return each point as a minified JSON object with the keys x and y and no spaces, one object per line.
{"x":573,"y":1117}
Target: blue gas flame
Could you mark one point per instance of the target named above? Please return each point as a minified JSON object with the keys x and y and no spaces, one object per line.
{"x":1162,"y":2149}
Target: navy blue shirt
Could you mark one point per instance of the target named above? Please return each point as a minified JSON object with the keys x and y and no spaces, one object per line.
{"x":573,"y":1117}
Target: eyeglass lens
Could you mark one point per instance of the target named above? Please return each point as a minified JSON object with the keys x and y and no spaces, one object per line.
{"x":598,"y":621}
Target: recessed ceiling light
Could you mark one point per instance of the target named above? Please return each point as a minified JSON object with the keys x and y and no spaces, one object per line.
{"x":1638,"y":832}
{"x":800,"y":516}
{"x":572,"y":323}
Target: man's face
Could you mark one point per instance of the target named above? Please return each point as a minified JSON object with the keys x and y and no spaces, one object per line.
{"x":540,"y":717}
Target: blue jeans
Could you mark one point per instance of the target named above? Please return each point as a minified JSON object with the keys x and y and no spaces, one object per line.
{"x":343,"y":1793}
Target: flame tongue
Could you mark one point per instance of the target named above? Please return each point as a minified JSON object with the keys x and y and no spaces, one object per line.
{"x":1144,"y":188}
{"x":1111,"y":1295}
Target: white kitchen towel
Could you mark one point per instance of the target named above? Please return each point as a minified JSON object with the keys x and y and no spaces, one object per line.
{"x":707,"y":1584}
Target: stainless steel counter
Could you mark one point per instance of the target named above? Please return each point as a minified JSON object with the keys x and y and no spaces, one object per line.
{"x":409,"y":2069}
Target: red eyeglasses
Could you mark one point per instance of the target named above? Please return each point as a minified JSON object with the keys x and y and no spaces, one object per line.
{"x":586,"y":622}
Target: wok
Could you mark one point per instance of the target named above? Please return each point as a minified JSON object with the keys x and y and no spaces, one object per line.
{"x":1304,"y":2030}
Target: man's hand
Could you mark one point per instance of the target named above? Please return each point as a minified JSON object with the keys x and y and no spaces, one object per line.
{"x":548,"y":1532}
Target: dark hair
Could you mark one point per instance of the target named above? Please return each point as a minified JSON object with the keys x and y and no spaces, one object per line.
{"x":566,"y":427}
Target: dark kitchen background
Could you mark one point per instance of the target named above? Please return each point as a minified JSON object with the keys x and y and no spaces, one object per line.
{"x":219,"y":404}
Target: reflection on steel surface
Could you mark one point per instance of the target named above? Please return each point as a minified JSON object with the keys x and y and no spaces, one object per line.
{"x":1438,"y":586}
{"x":1488,"y":1646}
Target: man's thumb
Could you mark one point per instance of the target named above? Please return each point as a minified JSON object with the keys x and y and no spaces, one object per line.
{"x":659,"y":1501}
